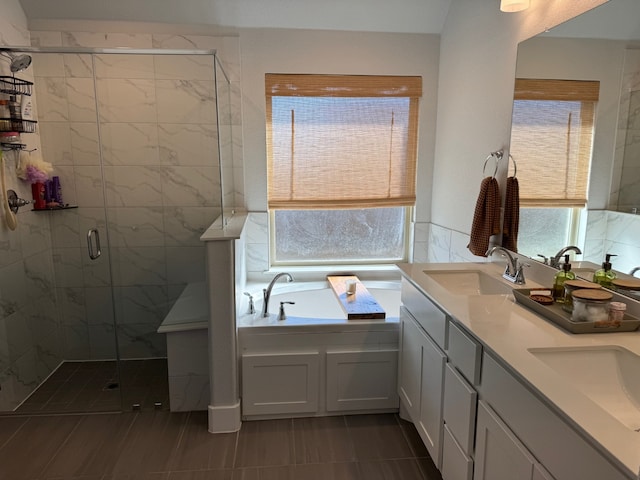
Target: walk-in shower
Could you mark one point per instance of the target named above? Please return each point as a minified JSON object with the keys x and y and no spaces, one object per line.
{"x":140,"y":140}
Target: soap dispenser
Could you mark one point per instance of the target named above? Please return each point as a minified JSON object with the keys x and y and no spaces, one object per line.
{"x":562,"y":276}
{"x":605,"y":275}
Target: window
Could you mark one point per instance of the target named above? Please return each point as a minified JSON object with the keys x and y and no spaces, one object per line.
{"x":341,"y":156}
{"x":551,"y":141}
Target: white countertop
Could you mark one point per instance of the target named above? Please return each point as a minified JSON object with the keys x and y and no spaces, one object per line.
{"x":508,"y":330}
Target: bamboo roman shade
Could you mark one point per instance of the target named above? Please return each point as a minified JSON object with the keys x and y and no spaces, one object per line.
{"x":551,"y":140}
{"x":341,"y":141}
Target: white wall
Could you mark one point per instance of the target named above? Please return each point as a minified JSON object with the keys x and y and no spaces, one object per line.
{"x":477,"y":70}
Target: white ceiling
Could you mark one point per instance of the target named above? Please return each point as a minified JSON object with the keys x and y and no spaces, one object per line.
{"x":405,"y":16}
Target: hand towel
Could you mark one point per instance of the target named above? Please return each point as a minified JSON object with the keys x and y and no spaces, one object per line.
{"x":511,"y":215}
{"x":486,"y":217}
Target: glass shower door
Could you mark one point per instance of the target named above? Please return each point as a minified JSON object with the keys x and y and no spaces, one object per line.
{"x":159,"y":149}
{"x":134,"y":140}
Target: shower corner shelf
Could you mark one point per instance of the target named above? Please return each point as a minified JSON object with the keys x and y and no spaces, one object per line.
{"x":15,"y":86}
{"x":12,"y":146}
{"x":53,"y":209}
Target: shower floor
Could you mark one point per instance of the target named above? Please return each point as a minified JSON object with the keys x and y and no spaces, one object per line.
{"x":98,"y":386}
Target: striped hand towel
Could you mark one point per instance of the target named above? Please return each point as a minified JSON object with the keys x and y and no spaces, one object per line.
{"x":486,"y":218}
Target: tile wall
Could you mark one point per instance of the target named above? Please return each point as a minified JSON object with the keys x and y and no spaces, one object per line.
{"x":625,"y":191}
{"x":162,"y":188}
{"x":616,"y":233}
{"x":29,"y":341}
{"x":155,"y":119}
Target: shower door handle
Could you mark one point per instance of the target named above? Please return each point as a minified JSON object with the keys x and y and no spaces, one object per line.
{"x":92,"y":234}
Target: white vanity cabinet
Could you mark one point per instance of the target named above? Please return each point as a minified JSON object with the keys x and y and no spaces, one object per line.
{"x":563,"y":453}
{"x":499,"y":454}
{"x":492,"y":424}
{"x":421,"y":367}
{"x":460,"y":403}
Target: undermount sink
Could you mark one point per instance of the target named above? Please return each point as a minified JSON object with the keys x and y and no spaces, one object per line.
{"x":608,"y":375}
{"x":584,"y":272}
{"x":469,"y":282}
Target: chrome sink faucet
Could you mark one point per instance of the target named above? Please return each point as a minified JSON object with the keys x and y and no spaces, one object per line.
{"x":555,"y":261}
{"x":634,"y":270}
{"x":266,"y":292}
{"x":513,"y":272}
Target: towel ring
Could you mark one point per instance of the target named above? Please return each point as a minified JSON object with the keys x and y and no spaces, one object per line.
{"x":497,"y":156}
{"x":515,"y":166}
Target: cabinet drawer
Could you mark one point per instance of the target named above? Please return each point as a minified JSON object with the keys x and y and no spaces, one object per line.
{"x":430,"y":317}
{"x":459,"y":411}
{"x":562,"y":450}
{"x":464,"y":352}
{"x":456,"y":465}
{"x":362,"y":380}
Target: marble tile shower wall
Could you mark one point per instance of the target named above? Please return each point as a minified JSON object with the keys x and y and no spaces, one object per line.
{"x":29,"y":343}
{"x":154,"y":119}
{"x":616,"y":233}
{"x":625,"y":189}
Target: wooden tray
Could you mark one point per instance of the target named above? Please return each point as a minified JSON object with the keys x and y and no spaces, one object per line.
{"x":358,"y":306}
{"x":555,"y":314}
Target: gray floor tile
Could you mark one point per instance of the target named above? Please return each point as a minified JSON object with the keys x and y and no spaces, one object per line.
{"x":150,"y":442}
{"x":265,"y":443}
{"x":322,"y":440}
{"x":324,"y":471}
{"x":377,"y":437}
{"x":401,"y":469}
{"x":9,"y":426}
{"x":198,"y":449}
{"x":216,"y":474}
{"x":93,"y":447}
{"x":28,"y":452}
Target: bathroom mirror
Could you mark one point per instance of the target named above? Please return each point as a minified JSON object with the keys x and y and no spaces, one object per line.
{"x":602,"y":45}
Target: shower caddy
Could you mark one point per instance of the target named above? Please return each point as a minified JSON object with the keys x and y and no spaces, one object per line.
{"x":14,"y":87}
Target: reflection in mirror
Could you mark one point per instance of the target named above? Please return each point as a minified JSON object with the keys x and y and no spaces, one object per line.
{"x":602,"y":45}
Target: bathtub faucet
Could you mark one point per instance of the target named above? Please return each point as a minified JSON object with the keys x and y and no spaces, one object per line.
{"x":266,"y":292}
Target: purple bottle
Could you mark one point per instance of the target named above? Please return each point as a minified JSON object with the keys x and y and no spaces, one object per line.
{"x":56,"y":191}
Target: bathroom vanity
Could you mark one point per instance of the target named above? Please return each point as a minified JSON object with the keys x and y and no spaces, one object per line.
{"x":496,"y":392}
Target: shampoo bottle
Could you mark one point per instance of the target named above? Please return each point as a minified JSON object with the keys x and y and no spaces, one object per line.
{"x":562,"y":276}
{"x":605,"y":275}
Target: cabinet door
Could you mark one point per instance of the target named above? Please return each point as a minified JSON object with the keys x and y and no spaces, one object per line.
{"x":459,"y":408}
{"x":430,"y":424}
{"x":280,"y":383}
{"x":362,"y":380}
{"x":540,"y":473}
{"x":456,"y":464}
{"x":499,"y":454}
{"x":410,"y":370}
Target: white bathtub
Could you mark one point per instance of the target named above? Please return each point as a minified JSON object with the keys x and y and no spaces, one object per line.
{"x":315,"y":302}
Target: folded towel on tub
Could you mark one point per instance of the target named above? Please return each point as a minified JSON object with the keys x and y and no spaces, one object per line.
{"x":486,"y":217}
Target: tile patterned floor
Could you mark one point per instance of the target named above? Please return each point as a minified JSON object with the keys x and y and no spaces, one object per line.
{"x":82,"y":387}
{"x":159,"y":445}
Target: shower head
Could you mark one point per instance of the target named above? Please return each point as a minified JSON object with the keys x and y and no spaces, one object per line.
{"x":18,"y":62}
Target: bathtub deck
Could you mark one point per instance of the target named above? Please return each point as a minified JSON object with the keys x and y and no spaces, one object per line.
{"x":359,"y":306}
